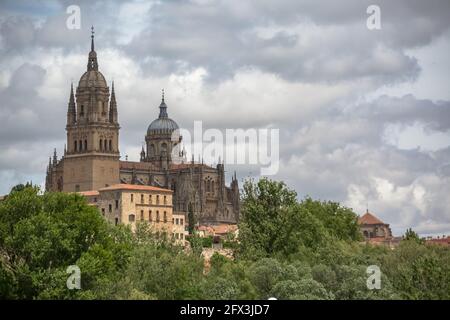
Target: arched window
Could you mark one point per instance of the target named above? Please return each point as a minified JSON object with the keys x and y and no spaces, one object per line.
{"x":212,"y":186}
{"x":101,"y":144}
{"x":80,"y":146}
{"x":85,"y":144}
{"x":165,"y":216}
{"x":208,"y":188}
{"x":165,"y":200}
{"x":82,"y":111}
{"x":110,"y":145}
{"x":142,"y":198}
{"x":131,"y":218}
{"x":104,"y":145}
{"x":150,"y":199}
{"x":157,"y":199}
{"x":75,"y":146}
{"x":157,"y":216}
{"x":150,"y":215}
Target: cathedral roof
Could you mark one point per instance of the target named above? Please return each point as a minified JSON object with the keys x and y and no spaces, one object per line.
{"x":163,"y":124}
{"x":369,"y":218}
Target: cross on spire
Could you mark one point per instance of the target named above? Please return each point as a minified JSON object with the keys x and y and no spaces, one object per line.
{"x":163,"y":95}
{"x":92,"y":38}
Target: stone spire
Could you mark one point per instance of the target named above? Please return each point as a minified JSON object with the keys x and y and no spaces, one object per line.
{"x":113,"y":106}
{"x":142,"y":154}
{"x":55,"y":158}
{"x":92,"y":38}
{"x":71,"y":112}
{"x":163,"y":108}
{"x":92,"y":62}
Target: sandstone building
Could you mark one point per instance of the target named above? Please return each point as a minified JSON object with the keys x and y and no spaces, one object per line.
{"x":129,"y":204}
{"x":91,"y":159}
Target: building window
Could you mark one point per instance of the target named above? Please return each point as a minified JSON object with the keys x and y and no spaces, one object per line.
{"x":165,"y":216}
{"x":117,"y":204}
{"x":110,"y":208}
{"x":77,"y":188}
{"x":157,"y":216}
{"x":177,"y":221}
{"x":110,"y":145}
{"x":80,"y":146}
{"x":150,"y":215}
{"x":142,"y":198}
{"x":131,"y":218}
{"x":132,"y":197}
{"x":181,"y":221}
{"x":150,"y":199}
{"x":103,"y":211}
{"x":82,"y":111}
{"x":104,"y":145}
{"x":85,"y":144}
{"x":116,"y":221}
{"x":95,"y":199}
{"x":165,"y":200}
{"x":75,"y":146}
{"x":212,"y":187}
{"x":101,"y":144}
{"x":142,"y":215}
{"x":157,"y":199}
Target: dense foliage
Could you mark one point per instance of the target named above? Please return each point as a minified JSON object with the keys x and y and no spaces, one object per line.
{"x":286,"y":249}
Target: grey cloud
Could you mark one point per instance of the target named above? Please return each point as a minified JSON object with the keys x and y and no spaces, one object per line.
{"x":328,"y":146}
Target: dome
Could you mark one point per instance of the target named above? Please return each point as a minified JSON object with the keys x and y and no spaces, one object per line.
{"x":92,"y":78}
{"x":162,"y":124}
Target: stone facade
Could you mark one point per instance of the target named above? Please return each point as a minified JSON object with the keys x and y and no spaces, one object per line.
{"x":179,"y":229}
{"x":91,"y":159}
{"x":129,"y":204}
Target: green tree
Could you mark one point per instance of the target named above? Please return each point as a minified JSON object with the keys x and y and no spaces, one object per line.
{"x":411,"y":235}
{"x":192,"y":219}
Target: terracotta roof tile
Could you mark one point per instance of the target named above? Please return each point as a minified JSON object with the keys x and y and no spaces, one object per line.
{"x":369,"y":218}
{"x":89,"y":193}
{"x":125,"y":186}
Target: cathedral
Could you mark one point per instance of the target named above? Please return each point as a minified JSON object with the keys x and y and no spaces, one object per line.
{"x":91,"y":159}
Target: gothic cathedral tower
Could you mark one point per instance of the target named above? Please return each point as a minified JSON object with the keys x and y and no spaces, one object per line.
{"x":92,"y":157}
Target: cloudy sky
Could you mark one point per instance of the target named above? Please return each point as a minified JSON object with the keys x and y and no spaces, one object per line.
{"x":364,"y":115}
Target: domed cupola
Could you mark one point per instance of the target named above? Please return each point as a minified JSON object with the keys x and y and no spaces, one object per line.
{"x":92,"y":77}
{"x":159,"y":140}
{"x":162,"y":125}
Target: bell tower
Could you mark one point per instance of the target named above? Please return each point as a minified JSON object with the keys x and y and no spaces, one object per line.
{"x":92,"y":157}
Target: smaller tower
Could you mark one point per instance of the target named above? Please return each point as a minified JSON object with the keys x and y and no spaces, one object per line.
{"x":113,"y":106}
{"x":71,"y":109}
{"x":55,"y":158}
